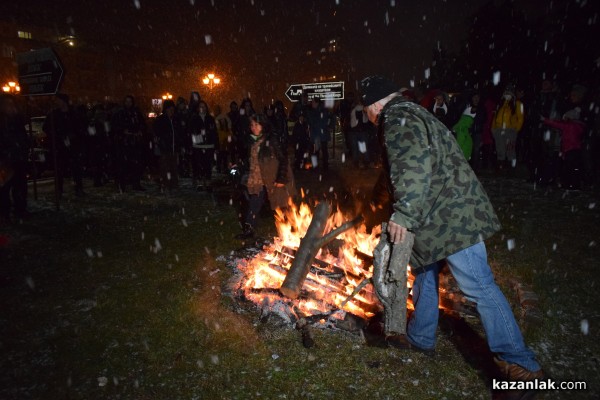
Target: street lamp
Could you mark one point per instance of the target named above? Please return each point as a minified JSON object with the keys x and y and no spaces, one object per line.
{"x":11,"y":87}
{"x":211,"y":80}
{"x":167,"y":96}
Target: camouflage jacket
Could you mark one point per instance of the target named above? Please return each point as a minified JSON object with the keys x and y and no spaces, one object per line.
{"x":436,"y":195}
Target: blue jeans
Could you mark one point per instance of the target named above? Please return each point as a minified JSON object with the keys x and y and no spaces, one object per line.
{"x":474,"y":277}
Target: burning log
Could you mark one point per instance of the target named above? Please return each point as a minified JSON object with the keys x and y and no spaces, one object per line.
{"x":309,"y":247}
{"x":389,"y":279}
{"x":321,"y":266}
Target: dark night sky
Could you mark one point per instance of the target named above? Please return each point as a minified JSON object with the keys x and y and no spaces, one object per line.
{"x":395,"y":37}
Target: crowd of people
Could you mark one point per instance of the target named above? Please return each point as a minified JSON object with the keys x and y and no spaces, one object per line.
{"x":553,"y":134}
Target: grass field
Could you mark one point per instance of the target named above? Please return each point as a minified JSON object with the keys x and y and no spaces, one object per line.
{"x":124,"y":296}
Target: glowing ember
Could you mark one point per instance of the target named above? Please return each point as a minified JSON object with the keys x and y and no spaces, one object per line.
{"x":333,"y":277}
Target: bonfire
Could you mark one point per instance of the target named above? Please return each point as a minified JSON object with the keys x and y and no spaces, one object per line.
{"x":339,"y":279}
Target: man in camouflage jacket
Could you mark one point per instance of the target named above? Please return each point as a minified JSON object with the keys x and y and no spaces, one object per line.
{"x":438,"y":198}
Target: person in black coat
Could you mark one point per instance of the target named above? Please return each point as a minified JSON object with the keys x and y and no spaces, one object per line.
{"x":14,"y":151}
{"x":169,"y":141}
{"x":65,"y":129}
{"x":97,"y":144}
{"x":202,"y":137}
{"x":301,"y":142}
{"x":128,"y":128}
{"x":243,"y":131}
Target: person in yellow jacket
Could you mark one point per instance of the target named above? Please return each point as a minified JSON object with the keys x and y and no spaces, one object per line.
{"x":507,"y":123}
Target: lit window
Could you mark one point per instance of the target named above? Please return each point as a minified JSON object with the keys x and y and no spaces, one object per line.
{"x":24,"y":35}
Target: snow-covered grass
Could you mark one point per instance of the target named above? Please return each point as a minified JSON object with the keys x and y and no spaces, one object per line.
{"x":125,"y":296}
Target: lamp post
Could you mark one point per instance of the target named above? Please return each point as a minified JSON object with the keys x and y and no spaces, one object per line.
{"x":167,"y":96}
{"x":11,"y":87}
{"x":211,"y":80}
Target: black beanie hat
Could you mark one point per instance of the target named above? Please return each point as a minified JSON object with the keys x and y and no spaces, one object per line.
{"x":375,"y":88}
{"x":168,"y":104}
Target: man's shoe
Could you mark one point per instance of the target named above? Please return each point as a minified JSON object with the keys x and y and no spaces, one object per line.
{"x":245,"y":235}
{"x":514,"y":372}
{"x":401,"y":342}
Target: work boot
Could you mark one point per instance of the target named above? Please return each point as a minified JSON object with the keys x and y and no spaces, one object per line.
{"x":514,"y":372}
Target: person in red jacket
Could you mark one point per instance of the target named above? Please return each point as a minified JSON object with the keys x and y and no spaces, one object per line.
{"x":572,"y":130}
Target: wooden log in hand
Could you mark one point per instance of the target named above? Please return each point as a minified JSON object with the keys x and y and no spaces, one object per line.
{"x":389,"y":279}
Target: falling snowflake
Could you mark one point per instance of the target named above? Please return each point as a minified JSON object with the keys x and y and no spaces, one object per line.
{"x":547,"y":136}
{"x":137,"y":4}
{"x":496,"y":78}
{"x":29,"y":281}
{"x":585,"y":326}
{"x":208,"y":39}
{"x":510,"y":243}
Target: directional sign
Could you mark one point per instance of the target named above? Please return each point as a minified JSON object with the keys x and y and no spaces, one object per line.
{"x":294,"y":92}
{"x":322,"y":90}
{"x":40,"y":72}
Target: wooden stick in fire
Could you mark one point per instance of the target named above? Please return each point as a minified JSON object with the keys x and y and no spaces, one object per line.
{"x":309,"y":247}
{"x":389,"y":279}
